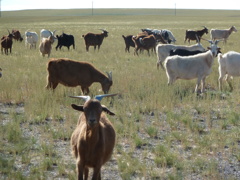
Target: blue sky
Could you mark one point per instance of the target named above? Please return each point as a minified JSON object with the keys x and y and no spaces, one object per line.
{"x":180,"y":4}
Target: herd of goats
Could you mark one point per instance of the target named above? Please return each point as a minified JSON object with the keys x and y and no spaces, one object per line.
{"x":93,"y":139}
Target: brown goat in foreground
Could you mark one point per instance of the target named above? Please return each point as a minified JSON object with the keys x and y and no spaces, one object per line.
{"x":45,"y":46}
{"x":74,"y":73}
{"x":93,"y":139}
{"x":95,"y":40}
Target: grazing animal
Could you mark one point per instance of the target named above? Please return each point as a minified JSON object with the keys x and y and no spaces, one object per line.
{"x":128,"y":42}
{"x":31,"y":38}
{"x":93,"y":140}
{"x":163,"y":51}
{"x":46,"y":46}
{"x":189,"y":67}
{"x":144,"y":43}
{"x":229,"y":66}
{"x":65,"y":40}
{"x":0,"y":72}
{"x":195,"y":35}
{"x":95,"y":40}
{"x":167,"y":35}
{"x":222,"y":34}
{"x":6,"y":43}
{"x":74,"y":73}
{"x":17,"y":35}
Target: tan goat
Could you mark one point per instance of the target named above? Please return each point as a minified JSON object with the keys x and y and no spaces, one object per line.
{"x":46,"y":45}
{"x":93,"y":139}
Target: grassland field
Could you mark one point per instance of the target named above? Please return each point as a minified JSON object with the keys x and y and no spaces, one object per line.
{"x":163,"y":132}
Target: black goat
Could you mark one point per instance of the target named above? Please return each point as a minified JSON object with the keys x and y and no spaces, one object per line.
{"x":65,"y":40}
{"x":183,"y":52}
{"x":95,"y":40}
{"x":128,"y":42}
{"x":192,"y":35}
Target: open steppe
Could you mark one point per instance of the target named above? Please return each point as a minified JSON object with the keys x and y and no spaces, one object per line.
{"x":163,"y":132}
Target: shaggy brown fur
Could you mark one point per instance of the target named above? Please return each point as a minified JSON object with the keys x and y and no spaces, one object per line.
{"x":46,"y":46}
{"x":93,"y":139}
{"x":74,"y":73}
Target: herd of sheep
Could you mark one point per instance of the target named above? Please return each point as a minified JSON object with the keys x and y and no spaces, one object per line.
{"x":93,"y":139}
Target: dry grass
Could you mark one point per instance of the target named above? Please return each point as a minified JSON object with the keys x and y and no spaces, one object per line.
{"x":162,"y":132}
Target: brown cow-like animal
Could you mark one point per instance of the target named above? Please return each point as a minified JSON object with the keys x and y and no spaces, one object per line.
{"x":74,"y":73}
{"x":93,"y":139}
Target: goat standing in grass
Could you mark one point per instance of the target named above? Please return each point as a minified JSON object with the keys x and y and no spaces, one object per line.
{"x":195,"y":35}
{"x":46,"y":46}
{"x":229,"y":66}
{"x":93,"y":139}
{"x":95,"y":40}
{"x":6,"y":43}
{"x":222,"y":33}
{"x":75,"y":73}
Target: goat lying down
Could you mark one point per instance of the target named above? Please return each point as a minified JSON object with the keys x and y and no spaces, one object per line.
{"x":189,"y":67}
{"x":93,"y":139}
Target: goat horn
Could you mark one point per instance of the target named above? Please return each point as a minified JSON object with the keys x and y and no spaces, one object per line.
{"x":8,"y":31}
{"x":197,"y":38}
{"x":210,"y":41}
{"x":109,"y":74}
{"x":99,"y":97}
{"x":85,"y":98}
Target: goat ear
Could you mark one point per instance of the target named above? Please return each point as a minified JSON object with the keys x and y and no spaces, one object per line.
{"x":105,"y":109}
{"x":76,"y":107}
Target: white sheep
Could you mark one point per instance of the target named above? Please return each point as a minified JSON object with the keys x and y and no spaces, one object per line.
{"x":222,"y":33}
{"x":229,"y":66}
{"x":189,"y":67}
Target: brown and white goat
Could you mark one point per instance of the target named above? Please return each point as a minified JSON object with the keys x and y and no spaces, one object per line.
{"x":6,"y":43}
{"x":95,"y":40}
{"x":195,"y":35}
{"x":45,"y":46}
{"x":74,"y":73}
{"x":93,"y":140}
